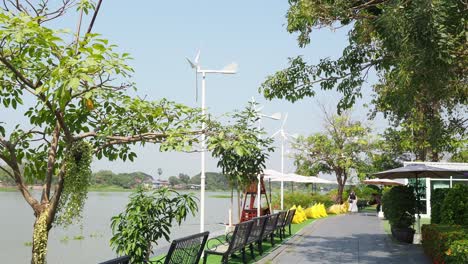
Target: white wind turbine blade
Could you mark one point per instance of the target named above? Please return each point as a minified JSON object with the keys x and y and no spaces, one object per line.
{"x":193,"y":65}
{"x":197,"y":57}
{"x":230,"y":68}
{"x":196,"y":86}
{"x":276,"y":133}
{"x":283,"y":134}
{"x":284,"y":120}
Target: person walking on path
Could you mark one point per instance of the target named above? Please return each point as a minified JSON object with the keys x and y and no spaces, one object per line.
{"x":352,"y":199}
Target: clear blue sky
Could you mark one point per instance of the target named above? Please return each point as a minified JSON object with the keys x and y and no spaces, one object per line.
{"x":160,"y":34}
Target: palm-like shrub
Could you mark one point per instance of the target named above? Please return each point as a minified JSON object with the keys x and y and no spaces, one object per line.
{"x":147,"y":218}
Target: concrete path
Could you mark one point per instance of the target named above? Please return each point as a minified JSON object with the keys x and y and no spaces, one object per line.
{"x":353,"y":238}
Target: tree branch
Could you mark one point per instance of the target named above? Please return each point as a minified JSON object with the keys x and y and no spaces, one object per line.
{"x":12,"y":162}
{"x":51,"y":162}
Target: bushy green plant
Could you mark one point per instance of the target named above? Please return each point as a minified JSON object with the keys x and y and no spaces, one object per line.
{"x":437,"y":200}
{"x":458,"y":251}
{"x":147,"y":218}
{"x":399,"y":206}
{"x":364,"y":192}
{"x":445,"y":243}
{"x":455,"y":206}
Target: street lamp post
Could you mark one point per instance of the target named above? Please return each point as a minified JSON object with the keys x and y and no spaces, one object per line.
{"x":229,"y":69}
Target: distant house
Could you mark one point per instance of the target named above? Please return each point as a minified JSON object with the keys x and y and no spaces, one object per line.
{"x":160,"y":183}
{"x":195,"y":186}
{"x":430,"y":184}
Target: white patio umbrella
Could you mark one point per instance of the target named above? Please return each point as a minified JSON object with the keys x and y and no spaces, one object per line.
{"x":382,"y":182}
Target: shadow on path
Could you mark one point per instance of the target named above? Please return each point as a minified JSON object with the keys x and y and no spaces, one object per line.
{"x":354,"y":238}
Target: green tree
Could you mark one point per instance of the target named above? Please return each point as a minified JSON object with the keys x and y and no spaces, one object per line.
{"x":173,"y":181}
{"x":417,"y":48}
{"x":72,"y":89}
{"x":342,"y":150}
{"x":241,"y":151}
{"x":184,"y":178}
{"x":147,"y":218}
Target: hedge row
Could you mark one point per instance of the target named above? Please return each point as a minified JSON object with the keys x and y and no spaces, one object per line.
{"x":445,"y":243}
{"x":450,"y":206}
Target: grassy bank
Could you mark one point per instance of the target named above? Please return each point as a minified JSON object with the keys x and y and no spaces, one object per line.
{"x":91,"y":189}
{"x":8,"y":189}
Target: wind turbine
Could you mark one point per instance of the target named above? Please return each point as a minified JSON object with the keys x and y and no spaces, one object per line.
{"x":275,"y":116}
{"x":284,"y":137}
{"x":228,"y":69}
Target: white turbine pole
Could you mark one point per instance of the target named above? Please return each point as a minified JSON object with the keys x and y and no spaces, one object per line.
{"x":202,"y":174}
{"x":229,"y":69}
{"x":282,"y":171}
{"x":259,"y":194}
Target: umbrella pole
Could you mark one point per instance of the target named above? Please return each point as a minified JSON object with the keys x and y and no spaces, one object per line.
{"x":417,"y":204}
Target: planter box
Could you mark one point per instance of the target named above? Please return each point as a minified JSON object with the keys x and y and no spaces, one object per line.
{"x":403,"y":234}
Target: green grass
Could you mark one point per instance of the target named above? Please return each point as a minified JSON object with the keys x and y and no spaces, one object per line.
{"x":369,"y":209}
{"x":8,"y":189}
{"x":267,"y":247}
{"x":220,"y":196}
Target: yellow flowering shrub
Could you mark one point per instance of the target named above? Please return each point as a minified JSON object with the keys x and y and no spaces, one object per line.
{"x":299,"y":216}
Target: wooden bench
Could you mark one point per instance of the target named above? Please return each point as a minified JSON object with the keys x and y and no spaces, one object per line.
{"x":235,"y":242}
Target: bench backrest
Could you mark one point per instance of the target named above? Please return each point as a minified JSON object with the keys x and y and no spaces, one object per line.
{"x":290,"y":217}
{"x":187,"y":250}
{"x":119,"y":260}
{"x":282,"y":218}
{"x":257,"y":228}
{"x":271,"y":223}
{"x":240,"y":235}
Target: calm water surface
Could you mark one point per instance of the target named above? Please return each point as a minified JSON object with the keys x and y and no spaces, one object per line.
{"x":16,"y":220}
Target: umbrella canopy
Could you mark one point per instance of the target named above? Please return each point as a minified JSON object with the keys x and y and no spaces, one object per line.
{"x":382,"y":182}
{"x":292,"y":177}
{"x":417,"y":171}
{"x":271,"y":174}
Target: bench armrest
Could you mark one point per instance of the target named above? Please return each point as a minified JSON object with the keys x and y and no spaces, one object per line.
{"x":211,"y":240}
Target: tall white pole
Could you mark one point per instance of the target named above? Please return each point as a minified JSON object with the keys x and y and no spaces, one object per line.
{"x":282,"y":171}
{"x":258,"y":184}
{"x":202,"y":174}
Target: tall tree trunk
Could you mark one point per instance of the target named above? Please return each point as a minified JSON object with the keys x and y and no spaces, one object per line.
{"x":339,"y":198}
{"x":40,"y":237}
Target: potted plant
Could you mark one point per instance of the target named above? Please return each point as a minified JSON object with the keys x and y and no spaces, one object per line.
{"x":400,"y":208}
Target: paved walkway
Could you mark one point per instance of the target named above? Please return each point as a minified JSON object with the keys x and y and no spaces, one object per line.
{"x":354,"y":238}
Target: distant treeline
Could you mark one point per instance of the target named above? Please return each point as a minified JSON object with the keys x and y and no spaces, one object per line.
{"x":214,"y":181}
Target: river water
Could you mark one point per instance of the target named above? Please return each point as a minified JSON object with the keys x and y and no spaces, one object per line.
{"x":16,"y":220}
